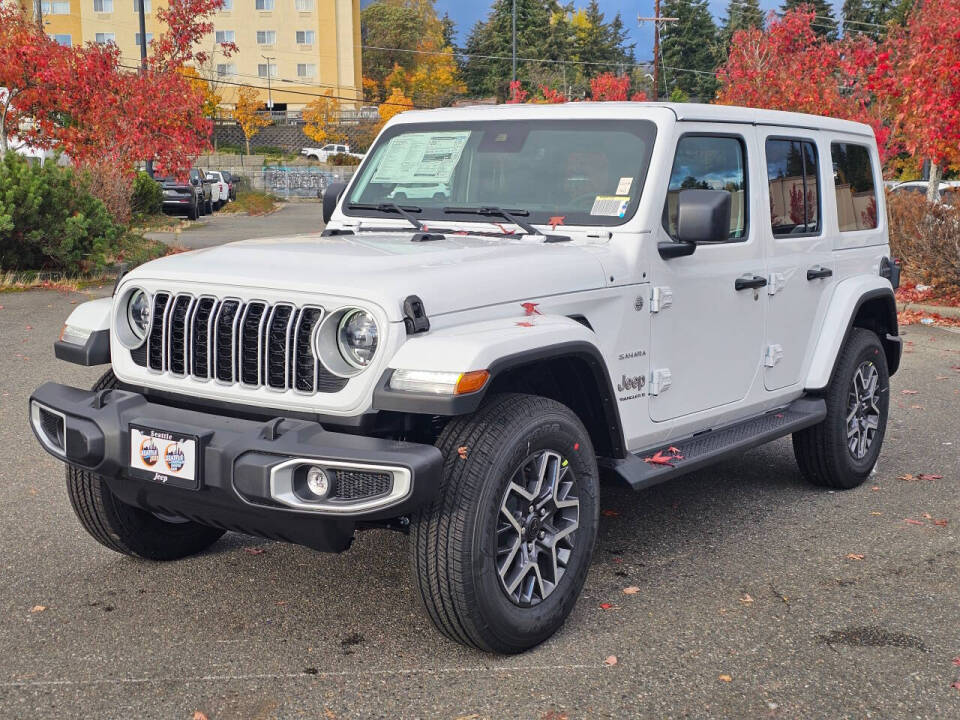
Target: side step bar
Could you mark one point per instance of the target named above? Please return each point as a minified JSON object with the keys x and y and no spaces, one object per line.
{"x":706,"y":448}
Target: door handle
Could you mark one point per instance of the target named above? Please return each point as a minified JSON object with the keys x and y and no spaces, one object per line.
{"x":818,"y":271}
{"x":752,"y":282}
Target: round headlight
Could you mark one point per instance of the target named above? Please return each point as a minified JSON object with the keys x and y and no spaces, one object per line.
{"x":138,"y":313}
{"x":357,"y":337}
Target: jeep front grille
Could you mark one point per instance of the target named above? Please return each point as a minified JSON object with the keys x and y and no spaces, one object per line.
{"x":234,"y":342}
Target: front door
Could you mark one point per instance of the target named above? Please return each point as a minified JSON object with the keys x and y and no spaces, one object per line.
{"x":800,"y":259}
{"x":707,"y":335}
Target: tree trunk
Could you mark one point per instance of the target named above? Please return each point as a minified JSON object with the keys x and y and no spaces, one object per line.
{"x":933,"y":186}
{"x":248,"y":144}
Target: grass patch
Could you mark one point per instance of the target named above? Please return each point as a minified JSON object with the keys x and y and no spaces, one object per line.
{"x":252,"y":202}
{"x":150,"y":223}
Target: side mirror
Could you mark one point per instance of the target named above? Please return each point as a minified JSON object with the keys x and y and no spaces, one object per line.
{"x":331,"y":197}
{"x":194,"y":180}
{"x":703,"y":216}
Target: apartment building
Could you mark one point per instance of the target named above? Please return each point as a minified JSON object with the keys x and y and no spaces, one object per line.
{"x":296,"y":48}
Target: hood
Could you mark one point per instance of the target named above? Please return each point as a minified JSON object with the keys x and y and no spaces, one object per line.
{"x":459,"y":273}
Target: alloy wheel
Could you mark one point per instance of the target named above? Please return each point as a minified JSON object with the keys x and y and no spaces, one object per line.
{"x":863,"y":410}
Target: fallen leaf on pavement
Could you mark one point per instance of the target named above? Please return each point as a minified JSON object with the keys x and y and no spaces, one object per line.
{"x":943,"y":377}
{"x":855,"y":556}
{"x":929,"y":476}
{"x":914,"y":522}
{"x":605,"y":606}
{"x":876,"y":513}
{"x":254,"y":550}
{"x":632,"y":590}
{"x":910,"y":392}
{"x":956,"y":661}
{"x":610,"y":660}
{"x":955,"y":684}
{"x":610,"y":513}
{"x":917,"y":407}
{"x":724,"y":678}
{"x":197,"y":715}
{"x":38,"y":608}
{"x":875,"y":488}
{"x":940,"y":523}
{"x":746,"y":599}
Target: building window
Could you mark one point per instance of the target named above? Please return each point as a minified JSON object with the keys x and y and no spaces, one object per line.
{"x":227,"y":5}
{"x":65,"y":40}
{"x":306,"y":37}
{"x":146,"y":6}
{"x":224,"y":69}
{"x":306,"y":70}
{"x":149,"y":39}
{"x":103,"y":6}
{"x":304,"y":5}
{"x":104,"y":38}
{"x":853,"y":184}
{"x":709,"y":162}
{"x":792,"y":176}
{"x":264,"y":4}
{"x":266,"y":37}
{"x":226,"y":36}
{"x":57,"y":7}
{"x":263,"y":69}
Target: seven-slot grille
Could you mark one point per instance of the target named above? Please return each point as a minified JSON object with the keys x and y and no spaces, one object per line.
{"x":251,"y":343}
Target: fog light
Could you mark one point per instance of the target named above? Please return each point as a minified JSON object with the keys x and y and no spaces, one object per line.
{"x":317,"y":482}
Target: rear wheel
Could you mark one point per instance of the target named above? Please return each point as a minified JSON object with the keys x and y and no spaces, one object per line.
{"x":502,"y":553}
{"x":209,"y":207}
{"x":127,"y":529}
{"x":841,"y":451}
{"x":193,"y":212}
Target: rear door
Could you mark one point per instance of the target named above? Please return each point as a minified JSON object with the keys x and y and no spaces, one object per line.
{"x":707,"y":335}
{"x":800,"y":262}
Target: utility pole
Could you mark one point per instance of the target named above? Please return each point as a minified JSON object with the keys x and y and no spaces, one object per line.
{"x":38,"y":4}
{"x":269,"y":89}
{"x":657,"y":21}
{"x":513,"y":25}
{"x":143,"y":58}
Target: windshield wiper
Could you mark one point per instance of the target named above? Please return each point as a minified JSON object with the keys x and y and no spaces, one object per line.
{"x":511,"y":216}
{"x":403,"y":211}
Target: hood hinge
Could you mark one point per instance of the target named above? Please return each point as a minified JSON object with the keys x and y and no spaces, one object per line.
{"x":415,"y":316}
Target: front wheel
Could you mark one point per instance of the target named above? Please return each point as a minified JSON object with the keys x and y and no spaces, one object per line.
{"x":841,"y":450}
{"x":502,"y":553}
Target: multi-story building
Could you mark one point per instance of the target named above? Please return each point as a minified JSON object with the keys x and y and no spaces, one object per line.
{"x":296,"y":49}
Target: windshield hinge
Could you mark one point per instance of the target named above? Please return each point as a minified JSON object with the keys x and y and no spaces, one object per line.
{"x":415,"y":316}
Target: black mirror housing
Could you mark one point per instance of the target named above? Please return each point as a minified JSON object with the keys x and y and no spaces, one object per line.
{"x":703,"y":216}
{"x":331,"y":196}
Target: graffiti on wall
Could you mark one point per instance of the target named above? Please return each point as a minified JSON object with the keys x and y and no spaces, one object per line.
{"x":296,"y":181}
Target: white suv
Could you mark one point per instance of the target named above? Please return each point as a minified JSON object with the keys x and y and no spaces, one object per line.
{"x":624,"y":290}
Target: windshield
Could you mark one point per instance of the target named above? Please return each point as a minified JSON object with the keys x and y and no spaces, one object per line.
{"x":580,"y":172}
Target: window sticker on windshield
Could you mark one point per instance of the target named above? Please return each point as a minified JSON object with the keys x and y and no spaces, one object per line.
{"x":623,"y":187}
{"x":421,"y":157}
{"x":610,"y":205}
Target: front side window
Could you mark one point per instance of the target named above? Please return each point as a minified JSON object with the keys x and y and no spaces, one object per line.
{"x":709,"y":162}
{"x":853,"y":183}
{"x":792,"y":176}
{"x":573,"y":172}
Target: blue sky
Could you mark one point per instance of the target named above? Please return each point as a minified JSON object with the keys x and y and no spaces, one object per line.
{"x":466,"y":12}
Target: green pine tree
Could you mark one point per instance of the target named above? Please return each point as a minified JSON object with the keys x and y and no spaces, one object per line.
{"x":825,"y":24}
{"x":857,"y":18}
{"x":689,"y":48}
{"x":741,"y":15}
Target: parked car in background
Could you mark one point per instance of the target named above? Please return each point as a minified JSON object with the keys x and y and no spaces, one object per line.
{"x":327,"y":151}
{"x":179,"y":196}
{"x":231,"y":184}
{"x":199,"y":179}
{"x":219,"y":189}
{"x":946,"y":193}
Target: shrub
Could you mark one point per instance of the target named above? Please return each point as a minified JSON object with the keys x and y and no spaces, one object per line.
{"x":147,"y":195}
{"x":49,"y":220}
{"x":926,"y":239}
{"x":268,"y":150}
{"x":343,"y":159}
{"x":107,"y":183}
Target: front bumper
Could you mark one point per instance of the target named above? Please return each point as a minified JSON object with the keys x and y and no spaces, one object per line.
{"x":244,"y":466}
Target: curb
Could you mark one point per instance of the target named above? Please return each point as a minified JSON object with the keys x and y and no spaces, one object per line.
{"x":944,"y":310}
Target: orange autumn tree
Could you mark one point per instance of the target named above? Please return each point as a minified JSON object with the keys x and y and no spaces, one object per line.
{"x":247,"y":114}
{"x":322,"y":119}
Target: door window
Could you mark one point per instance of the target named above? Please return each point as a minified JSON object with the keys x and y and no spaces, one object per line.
{"x":792,"y":175}
{"x":853,"y":183}
{"x":709,"y":162}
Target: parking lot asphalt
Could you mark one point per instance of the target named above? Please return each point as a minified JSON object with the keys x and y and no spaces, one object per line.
{"x":757,"y":595}
{"x":290,"y":218}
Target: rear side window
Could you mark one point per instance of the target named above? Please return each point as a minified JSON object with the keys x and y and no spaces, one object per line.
{"x":793,"y":178}
{"x":853,"y":182}
{"x":709,"y":162}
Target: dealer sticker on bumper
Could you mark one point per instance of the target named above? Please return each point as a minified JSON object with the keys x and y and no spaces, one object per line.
{"x":163,"y":457}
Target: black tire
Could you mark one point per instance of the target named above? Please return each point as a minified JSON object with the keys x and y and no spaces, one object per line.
{"x":823,"y":451}
{"x":193,"y":213}
{"x":209,"y":207}
{"x":454,"y":539}
{"x":124,"y":528}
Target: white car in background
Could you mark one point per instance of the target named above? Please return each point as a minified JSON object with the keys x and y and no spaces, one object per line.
{"x":322,"y":154}
{"x":219,"y":189}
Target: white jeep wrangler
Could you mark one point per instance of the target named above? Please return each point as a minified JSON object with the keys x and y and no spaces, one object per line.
{"x":631,"y":290}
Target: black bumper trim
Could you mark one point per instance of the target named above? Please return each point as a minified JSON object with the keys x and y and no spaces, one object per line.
{"x":96,"y":351}
{"x":231,"y":447}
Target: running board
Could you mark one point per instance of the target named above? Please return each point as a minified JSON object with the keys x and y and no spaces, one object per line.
{"x":663,"y":462}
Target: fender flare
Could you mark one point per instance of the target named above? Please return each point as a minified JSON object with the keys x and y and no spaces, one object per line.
{"x":568,"y":339}
{"x":93,"y":317}
{"x":848,"y":299}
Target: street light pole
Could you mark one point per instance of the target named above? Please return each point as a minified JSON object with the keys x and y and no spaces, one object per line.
{"x":269,"y":88}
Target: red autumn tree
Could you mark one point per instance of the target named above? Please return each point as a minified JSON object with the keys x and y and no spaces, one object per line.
{"x":517,"y":93}
{"x":552,"y":96}
{"x":789,"y":66}
{"x":918,"y":74}
{"x":187,"y":23}
{"x":609,"y":87}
